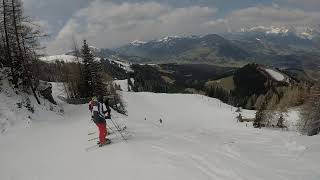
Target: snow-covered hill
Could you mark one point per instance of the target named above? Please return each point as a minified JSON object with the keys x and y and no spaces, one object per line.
{"x":71,"y":58}
{"x":62,"y":57}
{"x":19,"y":110}
{"x":198,"y":139}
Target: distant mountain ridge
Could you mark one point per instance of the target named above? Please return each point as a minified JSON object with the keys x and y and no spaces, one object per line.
{"x":276,"y":46}
{"x":184,"y":48}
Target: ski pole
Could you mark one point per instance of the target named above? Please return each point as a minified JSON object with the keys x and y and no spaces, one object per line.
{"x":117,"y":126}
{"x":118,"y":130}
{"x":113,"y":131}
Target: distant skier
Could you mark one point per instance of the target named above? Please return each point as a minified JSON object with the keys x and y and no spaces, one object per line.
{"x":98,"y":117}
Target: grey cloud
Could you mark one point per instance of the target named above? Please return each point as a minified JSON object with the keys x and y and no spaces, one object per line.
{"x":56,"y":12}
{"x":267,"y":16}
{"x":117,"y":22}
{"x":107,"y":24}
{"x":301,"y":2}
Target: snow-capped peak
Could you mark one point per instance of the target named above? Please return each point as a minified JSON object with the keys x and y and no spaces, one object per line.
{"x":163,"y":40}
{"x":168,"y":38}
{"x":302,"y":32}
{"x":137,"y":42}
{"x":277,"y":30}
{"x":307,"y":32}
{"x":267,"y":30}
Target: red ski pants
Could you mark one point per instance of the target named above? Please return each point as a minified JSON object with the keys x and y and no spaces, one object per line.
{"x":102,"y":132}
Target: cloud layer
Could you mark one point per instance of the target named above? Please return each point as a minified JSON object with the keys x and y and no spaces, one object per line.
{"x":110,"y":24}
{"x":267,"y":16}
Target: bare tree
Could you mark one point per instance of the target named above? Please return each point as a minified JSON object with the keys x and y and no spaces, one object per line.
{"x":19,"y":44}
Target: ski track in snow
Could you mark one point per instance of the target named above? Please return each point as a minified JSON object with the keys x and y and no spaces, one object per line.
{"x":199,"y":139}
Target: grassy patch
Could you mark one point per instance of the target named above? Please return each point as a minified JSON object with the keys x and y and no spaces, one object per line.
{"x":227,"y":83}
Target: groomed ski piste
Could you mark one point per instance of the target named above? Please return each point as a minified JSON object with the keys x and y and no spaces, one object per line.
{"x":198,"y":139}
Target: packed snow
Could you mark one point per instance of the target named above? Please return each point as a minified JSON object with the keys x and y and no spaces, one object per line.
{"x":275,"y":75}
{"x":198,"y":139}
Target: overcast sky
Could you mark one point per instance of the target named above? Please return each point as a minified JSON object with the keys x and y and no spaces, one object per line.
{"x":112,"y":23}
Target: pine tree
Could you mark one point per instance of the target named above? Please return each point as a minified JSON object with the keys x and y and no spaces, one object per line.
{"x":97,"y":78}
{"x":87,"y":60}
{"x":92,"y":77}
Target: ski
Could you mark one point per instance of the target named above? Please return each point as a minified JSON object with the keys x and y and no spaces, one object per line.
{"x":97,"y":146}
{"x":92,"y":147}
{"x":93,"y":139}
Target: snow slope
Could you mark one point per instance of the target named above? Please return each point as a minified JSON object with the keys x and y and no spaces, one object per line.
{"x":14,"y":112}
{"x":276,"y":75}
{"x":199,"y":139}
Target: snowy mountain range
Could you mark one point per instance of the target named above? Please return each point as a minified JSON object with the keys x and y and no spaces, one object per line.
{"x":175,"y":48}
{"x":276,"y":46}
{"x":302,"y":32}
{"x":165,"y":39}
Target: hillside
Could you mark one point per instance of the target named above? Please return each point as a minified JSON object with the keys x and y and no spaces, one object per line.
{"x":199,"y":139}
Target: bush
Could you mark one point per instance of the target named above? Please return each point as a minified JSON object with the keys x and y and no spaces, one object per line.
{"x":310,"y":114}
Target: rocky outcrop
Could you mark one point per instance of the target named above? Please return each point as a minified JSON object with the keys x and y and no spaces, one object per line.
{"x":45,"y":89}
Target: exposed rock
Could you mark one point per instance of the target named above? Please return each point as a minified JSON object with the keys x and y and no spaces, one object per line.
{"x":45,"y":89}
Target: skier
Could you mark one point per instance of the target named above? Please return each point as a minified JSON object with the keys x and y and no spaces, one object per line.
{"x":98,"y":117}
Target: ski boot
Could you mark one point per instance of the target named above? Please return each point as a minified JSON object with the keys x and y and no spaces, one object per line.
{"x":108,"y":141}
